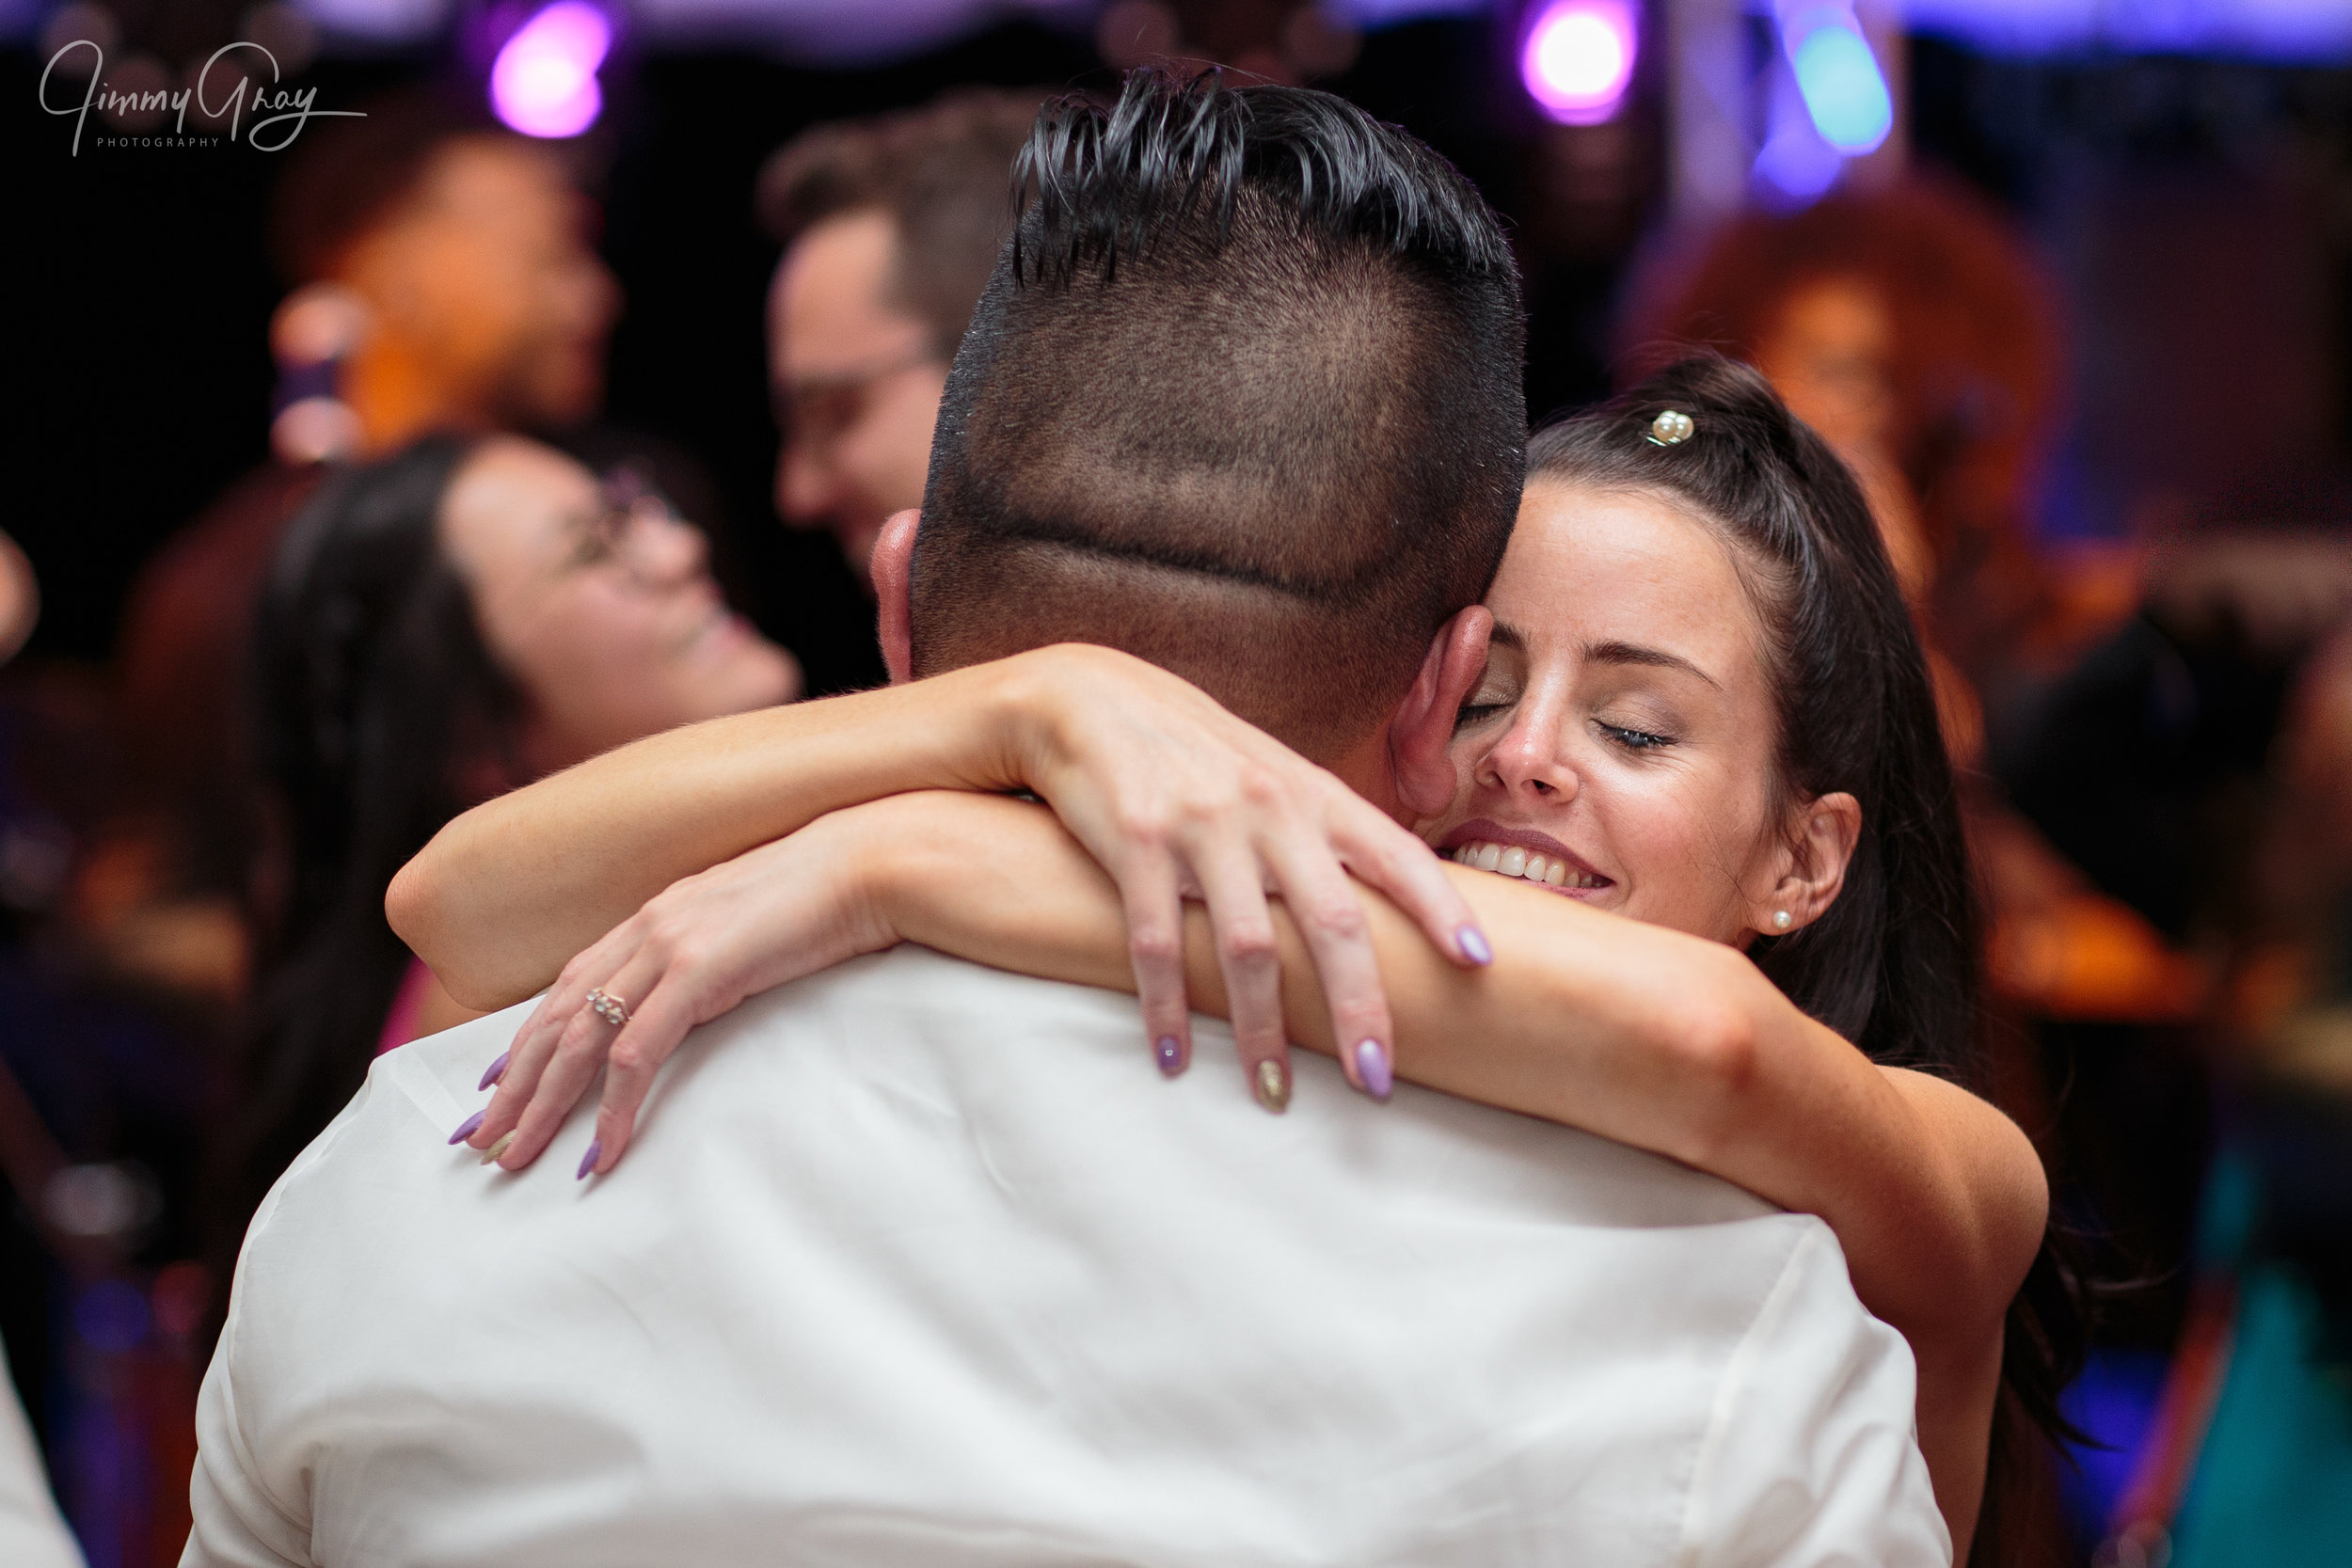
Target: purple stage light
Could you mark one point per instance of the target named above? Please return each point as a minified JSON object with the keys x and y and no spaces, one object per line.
{"x":543,"y":81}
{"x":1578,"y":59}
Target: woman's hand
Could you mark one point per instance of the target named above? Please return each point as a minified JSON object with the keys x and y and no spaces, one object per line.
{"x":1179,"y":799}
{"x":693,"y":953}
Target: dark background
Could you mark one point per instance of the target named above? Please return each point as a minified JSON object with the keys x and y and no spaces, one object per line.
{"x":2197,"y":213}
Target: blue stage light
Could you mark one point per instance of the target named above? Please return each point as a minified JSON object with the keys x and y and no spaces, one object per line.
{"x":1844,"y":90}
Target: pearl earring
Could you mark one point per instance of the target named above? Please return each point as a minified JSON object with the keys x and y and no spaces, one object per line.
{"x":1781,"y":920}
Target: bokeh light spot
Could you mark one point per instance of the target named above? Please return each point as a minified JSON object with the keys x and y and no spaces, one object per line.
{"x":1844,"y":90}
{"x":543,"y":81}
{"x":1578,"y":60}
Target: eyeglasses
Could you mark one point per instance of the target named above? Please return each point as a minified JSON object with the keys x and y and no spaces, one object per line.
{"x":818,"y":409}
{"x":630,"y":499}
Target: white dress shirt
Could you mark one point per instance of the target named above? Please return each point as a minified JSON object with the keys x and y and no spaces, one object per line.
{"x":31,"y":1534}
{"x":916,"y":1263}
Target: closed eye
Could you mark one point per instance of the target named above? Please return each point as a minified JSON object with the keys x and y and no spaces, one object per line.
{"x":1471,"y":715}
{"x":1634,"y":741}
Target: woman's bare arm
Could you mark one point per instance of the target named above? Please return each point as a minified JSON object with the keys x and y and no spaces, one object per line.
{"x":1642,"y":1035}
{"x":505,"y":894}
{"x":1646,"y":1035}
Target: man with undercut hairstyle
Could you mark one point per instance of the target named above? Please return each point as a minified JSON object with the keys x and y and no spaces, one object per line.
{"x":911,"y":1265}
{"x":1293,"y":425}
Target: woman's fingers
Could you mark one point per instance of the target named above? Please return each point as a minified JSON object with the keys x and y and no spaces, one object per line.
{"x":653,"y":1034}
{"x":1148,"y":888}
{"x":1385,"y":856}
{"x":1251,"y":964}
{"x":535,"y":1043}
{"x":1329,"y":914}
{"x":579,"y":1054}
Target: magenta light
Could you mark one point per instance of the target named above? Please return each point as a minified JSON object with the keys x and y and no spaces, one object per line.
{"x":1578,"y":59}
{"x":543,"y":81}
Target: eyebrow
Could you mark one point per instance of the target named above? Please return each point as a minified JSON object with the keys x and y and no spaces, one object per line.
{"x":1508,"y":636}
{"x":1633,"y":653}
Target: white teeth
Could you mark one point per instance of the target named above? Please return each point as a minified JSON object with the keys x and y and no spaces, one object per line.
{"x":1512,"y":860}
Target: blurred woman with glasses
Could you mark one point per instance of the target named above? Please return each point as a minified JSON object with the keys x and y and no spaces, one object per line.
{"x":439,"y":627}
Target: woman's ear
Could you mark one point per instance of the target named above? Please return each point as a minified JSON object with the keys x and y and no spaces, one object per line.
{"x":1818,"y":854}
{"x":894,"y":588}
{"x":1422,"y":725}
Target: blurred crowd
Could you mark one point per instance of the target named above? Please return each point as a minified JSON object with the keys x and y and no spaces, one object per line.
{"x":455,"y":577}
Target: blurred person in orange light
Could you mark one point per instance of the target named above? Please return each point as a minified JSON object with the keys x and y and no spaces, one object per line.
{"x":891,"y":227}
{"x":1917,"y":333}
{"x":439,"y":627}
{"x":445,"y":265}
{"x":443,"y":281}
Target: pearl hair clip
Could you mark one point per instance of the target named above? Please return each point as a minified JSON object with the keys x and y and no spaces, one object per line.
{"x":1670,"y":429}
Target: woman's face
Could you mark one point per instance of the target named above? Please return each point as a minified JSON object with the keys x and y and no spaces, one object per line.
{"x":604,"y":615}
{"x":1620,"y":746}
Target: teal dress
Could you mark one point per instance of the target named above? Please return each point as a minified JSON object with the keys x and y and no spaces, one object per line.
{"x":2272,"y":1487}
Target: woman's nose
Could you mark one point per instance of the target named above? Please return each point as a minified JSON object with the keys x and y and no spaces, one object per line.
{"x":1528,"y":762}
{"x":666,"y":549}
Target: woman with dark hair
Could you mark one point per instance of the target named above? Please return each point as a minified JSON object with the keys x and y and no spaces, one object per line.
{"x":438,"y":627}
{"x":1704,"y":735}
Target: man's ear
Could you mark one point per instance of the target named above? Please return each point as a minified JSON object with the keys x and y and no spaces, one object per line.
{"x":1422,"y":724}
{"x":894,"y":583}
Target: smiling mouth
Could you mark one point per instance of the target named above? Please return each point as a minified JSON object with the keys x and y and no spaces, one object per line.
{"x":1509,"y":860}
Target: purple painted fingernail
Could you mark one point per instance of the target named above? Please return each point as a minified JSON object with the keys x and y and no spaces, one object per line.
{"x":497,"y":1071}
{"x":1472,"y":942}
{"x":465,"y":1128}
{"x":588,"y":1161}
{"x":1169,"y":1054}
{"x":1372,"y":1066}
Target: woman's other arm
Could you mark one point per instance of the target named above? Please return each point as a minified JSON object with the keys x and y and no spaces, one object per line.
{"x":1649,"y":1037}
{"x":1646,"y":1035}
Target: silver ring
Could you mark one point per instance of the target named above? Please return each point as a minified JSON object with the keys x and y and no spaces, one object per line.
{"x":610,"y":1008}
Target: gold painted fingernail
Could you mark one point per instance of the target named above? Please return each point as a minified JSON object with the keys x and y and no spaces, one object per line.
{"x":1272,"y":1079}
{"x":490,"y":1155}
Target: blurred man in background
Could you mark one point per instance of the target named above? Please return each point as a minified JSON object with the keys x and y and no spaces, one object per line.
{"x":891,"y":226}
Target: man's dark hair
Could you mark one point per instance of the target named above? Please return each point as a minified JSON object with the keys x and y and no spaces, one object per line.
{"x":942,"y":175}
{"x":347,"y":177}
{"x":1242,"y":398}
